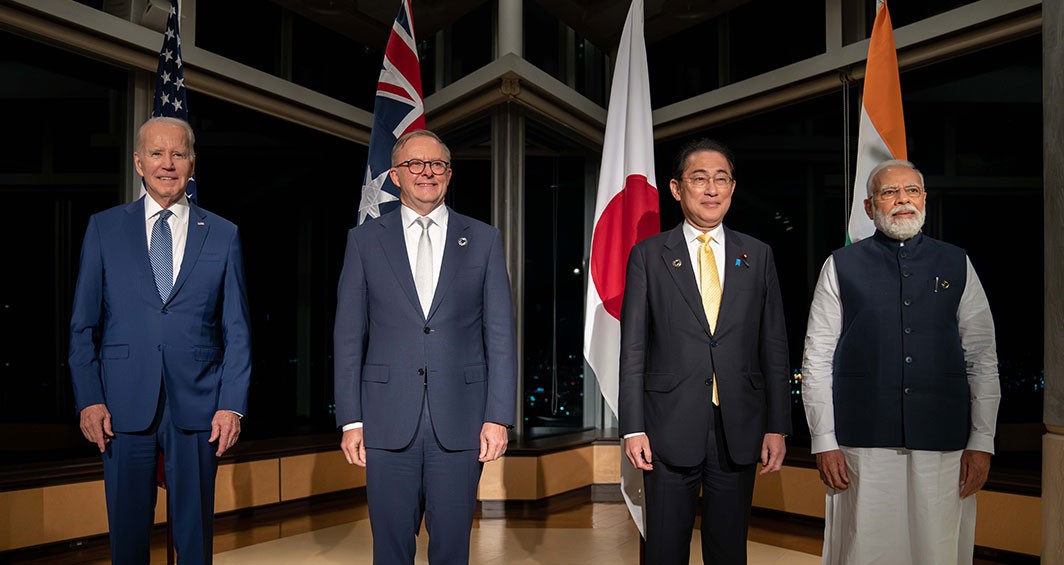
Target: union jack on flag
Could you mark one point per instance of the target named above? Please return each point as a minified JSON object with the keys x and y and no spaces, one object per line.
{"x":397,"y":110}
{"x":170,"y":100}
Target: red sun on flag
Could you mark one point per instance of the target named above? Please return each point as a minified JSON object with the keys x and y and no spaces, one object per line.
{"x":630,"y":217}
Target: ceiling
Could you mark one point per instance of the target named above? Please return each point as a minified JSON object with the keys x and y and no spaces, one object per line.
{"x":369,"y":21}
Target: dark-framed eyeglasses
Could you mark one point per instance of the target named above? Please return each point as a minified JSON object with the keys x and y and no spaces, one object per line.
{"x":417,"y":166}
{"x":891,"y":192}
{"x":722,"y":182}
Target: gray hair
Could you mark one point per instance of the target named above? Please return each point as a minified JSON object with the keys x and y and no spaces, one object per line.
{"x":402,"y":141}
{"x":871,"y":185}
{"x":189,"y":134}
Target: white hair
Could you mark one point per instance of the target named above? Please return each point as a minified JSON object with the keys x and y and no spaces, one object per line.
{"x":189,"y":134}
{"x":871,"y":185}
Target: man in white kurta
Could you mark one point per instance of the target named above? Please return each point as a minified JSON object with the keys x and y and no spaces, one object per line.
{"x":900,"y":387}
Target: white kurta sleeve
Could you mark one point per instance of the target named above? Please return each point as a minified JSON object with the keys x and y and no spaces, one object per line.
{"x":821,"y":337}
{"x":976,"y":326}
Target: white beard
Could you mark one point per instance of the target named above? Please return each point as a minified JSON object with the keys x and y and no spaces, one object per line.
{"x":898,"y":228}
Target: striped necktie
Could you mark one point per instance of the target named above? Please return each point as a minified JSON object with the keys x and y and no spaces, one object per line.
{"x":161,"y":254}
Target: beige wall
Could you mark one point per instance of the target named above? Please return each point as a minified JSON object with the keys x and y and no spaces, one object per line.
{"x":43,"y":515}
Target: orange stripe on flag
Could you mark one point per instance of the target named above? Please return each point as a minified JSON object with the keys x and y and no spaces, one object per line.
{"x":882,"y":89}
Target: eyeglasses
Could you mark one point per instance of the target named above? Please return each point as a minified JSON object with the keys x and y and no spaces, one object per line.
{"x":417,"y":166}
{"x":891,"y":192}
{"x":722,"y":182}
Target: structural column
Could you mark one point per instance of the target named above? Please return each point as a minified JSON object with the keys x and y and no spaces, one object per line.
{"x":510,"y":38}
{"x":508,"y":214}
{"x":1053,"y":179}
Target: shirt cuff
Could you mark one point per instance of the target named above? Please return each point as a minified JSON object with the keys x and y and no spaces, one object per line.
{"x":980,"y":442}
{"x":633,"y":434}
{"x":826,"y":442}
{"x":238,"y":414}
{"x":352,"y":426}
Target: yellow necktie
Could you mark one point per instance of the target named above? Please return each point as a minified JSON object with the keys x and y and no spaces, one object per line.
{"x":709,"y":282}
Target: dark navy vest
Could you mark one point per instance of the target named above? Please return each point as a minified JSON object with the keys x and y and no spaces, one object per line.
{"x":899,"y":372}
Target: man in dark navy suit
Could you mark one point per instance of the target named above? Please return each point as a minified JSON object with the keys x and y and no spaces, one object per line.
{"x":704,"y":384}
{"x":159,"y":349}
{"x":426,"y":373}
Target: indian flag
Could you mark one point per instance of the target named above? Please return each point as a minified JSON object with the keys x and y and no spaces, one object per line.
{"x":881,"y":136}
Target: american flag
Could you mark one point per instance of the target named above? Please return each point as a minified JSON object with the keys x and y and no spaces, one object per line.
{"x":397,"y":110}
{"x":170,"y":100}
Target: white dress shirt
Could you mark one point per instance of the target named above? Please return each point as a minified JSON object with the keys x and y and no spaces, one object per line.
{"x":411,"y":234}
{"x":178,"y":226}
{"x":976,"y":326}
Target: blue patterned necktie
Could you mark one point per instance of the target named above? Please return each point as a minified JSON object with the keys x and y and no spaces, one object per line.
{"x":161,"y":254}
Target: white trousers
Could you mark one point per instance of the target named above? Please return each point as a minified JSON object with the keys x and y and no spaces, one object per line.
{"x":903,"y":507}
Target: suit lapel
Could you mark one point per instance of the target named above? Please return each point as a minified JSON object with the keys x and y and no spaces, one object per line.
{"x":197,"y":234}
{"x":453,"y":258}
{"x":136,"y":239}
{"x":394,"y":245}
{"x":676,"y":258}
{"x":735,"y":270}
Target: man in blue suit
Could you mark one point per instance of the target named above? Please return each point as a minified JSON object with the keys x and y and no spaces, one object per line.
{"x":424,"y":346}
{"x":159,"y":350}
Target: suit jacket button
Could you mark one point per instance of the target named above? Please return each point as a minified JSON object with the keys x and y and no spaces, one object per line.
{"x":165,"y":311}
{"x":712,"y":343}
{"x":428,"y":330}
{"x":709,"y":382}
{"x":908,"y":390}
{"x":421,"y":371}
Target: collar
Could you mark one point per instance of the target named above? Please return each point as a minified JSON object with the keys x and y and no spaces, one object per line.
{"x":691,"y":233}
{"x":438,"y":216}
{"x":179,"y":208}
{"x":885,"y":239}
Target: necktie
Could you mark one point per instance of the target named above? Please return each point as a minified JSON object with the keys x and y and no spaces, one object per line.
{"x":709,"y":283}
{"x":161,"y":254}
{"x":423,"y":266}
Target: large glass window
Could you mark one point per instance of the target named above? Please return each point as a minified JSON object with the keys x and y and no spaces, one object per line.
{"x":562,"y":52}
{"x":61,"y":160}
{"x":554,"y":377}
{"x":757,"y":37}
{"x":455,"y":50}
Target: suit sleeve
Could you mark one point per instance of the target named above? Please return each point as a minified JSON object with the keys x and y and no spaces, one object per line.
{"x":499,"y":338}
{"x":634,"y":317}
{"x":236,"y":331}
{"x":349,"y":336}
{"x":773,"y":352}
{"x":85,"y":321}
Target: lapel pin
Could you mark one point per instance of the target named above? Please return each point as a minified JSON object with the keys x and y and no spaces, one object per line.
{"x":945,"y":284}
{"x":744,"y":261}
{"x":462,"y":242}
{"x":201,"y":223}
{"x":677,"y":263}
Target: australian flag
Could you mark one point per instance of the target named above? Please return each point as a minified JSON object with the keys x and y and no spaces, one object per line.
{"x":170,"y":100}
{"x":397,"y":110}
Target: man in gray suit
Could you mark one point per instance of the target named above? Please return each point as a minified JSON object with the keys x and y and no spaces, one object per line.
{"x":425,"y":372}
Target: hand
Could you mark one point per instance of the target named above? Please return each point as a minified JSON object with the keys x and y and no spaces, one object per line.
{"x":975,"y":466}
{"x":96,"y":425}
{"x":773,"y":448}
{"x":225,"y":427}
{"x":637,"y":448}
{"x":493,"y":441}
{"x":353,"y":447}
{"x":832,"y":467}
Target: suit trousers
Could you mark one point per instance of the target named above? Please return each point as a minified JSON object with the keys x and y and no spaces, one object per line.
{"x":421,"y":480}
{"x":672,"y":496}
{"x":129,"y":471}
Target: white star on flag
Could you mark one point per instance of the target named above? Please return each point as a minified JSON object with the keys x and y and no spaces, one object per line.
{"x":169,"y":33}
{"x":373,"y":197}
{"x":166,"y":78}
{"x":168,"y":55}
